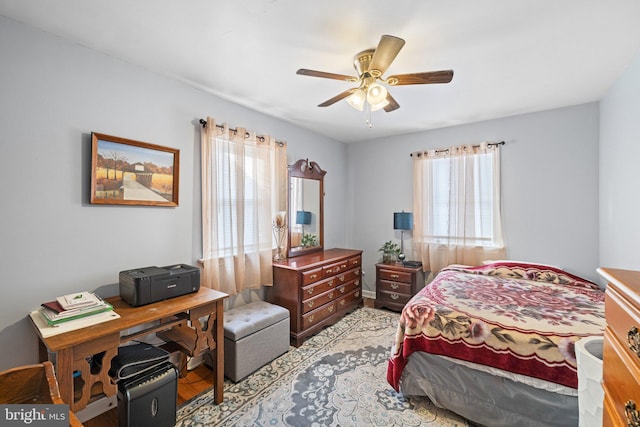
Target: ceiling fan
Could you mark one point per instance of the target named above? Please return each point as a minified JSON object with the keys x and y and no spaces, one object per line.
{"x":371,"y":64}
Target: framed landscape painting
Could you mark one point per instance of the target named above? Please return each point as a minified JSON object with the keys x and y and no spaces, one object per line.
{"x":127,"y":172}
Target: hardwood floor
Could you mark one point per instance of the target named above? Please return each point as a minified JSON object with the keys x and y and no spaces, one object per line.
{"x":190,"y":384}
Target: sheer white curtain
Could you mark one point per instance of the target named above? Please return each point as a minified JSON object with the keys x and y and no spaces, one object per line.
{"x":456,"y":196}
{"x":243,"y":186}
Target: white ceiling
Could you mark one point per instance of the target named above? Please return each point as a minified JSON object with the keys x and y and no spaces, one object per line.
{"x":509,"y":56}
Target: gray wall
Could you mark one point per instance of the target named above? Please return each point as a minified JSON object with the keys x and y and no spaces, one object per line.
{"x":620,"y":173}
{"x":549,"y":180}
{"x":53,"y":94}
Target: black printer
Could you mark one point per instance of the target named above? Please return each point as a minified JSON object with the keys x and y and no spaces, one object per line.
{"x":151,"y":284}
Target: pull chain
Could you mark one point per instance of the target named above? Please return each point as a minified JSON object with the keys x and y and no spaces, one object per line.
{"x":368,"y":113}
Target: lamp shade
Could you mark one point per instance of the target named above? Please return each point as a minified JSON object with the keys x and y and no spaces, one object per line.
{"x":402,"y":221}
{"x":303,"y":217}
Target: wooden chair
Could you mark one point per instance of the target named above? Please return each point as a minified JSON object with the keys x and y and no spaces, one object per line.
{"x":35,"y":384}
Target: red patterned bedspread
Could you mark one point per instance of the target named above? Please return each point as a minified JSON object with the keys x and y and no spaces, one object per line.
{"x":521,"y":318}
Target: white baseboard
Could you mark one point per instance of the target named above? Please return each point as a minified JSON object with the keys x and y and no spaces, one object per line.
{"x":369,"y":294}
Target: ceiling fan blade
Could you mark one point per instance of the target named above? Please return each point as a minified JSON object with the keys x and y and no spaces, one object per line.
{"x":337,"y":98}
{"x":385,"y":53}
{"x":430,"y":77}
{"x":392,"y":105}
{"x":314,"y":73}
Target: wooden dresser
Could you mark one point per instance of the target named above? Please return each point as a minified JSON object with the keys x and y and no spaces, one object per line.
{"x":318,"y":289}
{"x":396,"y":284}
{"x":621,"y":348}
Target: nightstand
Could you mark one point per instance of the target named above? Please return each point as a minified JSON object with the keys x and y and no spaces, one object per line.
{"x":396,"y":284}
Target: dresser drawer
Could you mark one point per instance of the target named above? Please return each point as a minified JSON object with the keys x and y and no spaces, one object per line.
{"x":354,"y":262}
{"x":316,"y":289}
{"x":311,"y":276}
{"x":618,"y":383}
{"x":395,"y":287}
{"x":345,"y":288}
{"x":395,"y":275}
{"x":623,"y":322}
{"x":316,"y":302}
{"x":350,"y":298}
{"x":333,"y":269}
{"x":347,"y":276}
{"x":316,"y":316}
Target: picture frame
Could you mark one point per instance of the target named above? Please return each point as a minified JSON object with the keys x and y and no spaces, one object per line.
{"x":128,"y":172}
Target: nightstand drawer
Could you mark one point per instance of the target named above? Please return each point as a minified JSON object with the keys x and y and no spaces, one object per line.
{"x":396,"y":287}
{"x":395,"y":275}
{"x":394,"y":297}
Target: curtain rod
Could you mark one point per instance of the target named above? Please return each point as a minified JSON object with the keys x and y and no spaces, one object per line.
{"x":203,"y":122}
{"x":474,"y":146}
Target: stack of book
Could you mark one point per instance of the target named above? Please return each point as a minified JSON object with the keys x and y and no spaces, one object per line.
{"x":72,"y":307}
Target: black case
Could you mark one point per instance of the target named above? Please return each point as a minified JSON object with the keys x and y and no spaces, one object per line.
{"x":149,"y":399}
{"x":134,"y":359}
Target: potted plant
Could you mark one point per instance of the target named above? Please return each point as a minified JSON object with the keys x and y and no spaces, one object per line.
{"x":309,"y":240}
{"x":389,"y":251}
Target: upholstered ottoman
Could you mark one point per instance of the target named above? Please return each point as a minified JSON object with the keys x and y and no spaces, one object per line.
{"x":254,"y":335}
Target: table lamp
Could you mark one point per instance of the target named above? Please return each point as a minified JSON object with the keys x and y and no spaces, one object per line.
{"x":402,"y":221}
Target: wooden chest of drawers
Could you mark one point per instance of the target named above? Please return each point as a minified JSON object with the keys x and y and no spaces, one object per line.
{"x":621,"y":348}
{"x":396,"y":284}
{"x":317,"y":289}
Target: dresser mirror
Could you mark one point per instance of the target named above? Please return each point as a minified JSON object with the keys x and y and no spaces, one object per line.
{"x":305,"y":213}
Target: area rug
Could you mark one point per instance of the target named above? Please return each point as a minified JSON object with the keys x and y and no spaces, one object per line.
{"x":336,"y":378}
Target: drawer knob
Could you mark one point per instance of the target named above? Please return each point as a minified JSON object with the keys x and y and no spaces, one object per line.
{"x":331,"y":295}
{"x":633,"y":339}
{"x":310,"y":319}
{"x":341,"y":278}
{"x":342,"y":289}
{"x":310,"y":304}
{"x":395,"y":296}
{"x":395,"y":276}
{"x":310,"y":291}
{"x":313,"y":276}
{"x":394,"y":286}
{"x":330,"y":309}
{"x":330,"y":282}
{"x":633,"y":417}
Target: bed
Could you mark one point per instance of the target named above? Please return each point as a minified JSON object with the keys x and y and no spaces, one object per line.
{"x":495,"y":343}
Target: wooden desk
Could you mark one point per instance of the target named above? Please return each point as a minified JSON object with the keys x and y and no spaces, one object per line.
{"x":89,"y":350}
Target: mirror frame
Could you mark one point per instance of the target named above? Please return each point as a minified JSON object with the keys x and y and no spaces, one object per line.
{"x":308,"y":170}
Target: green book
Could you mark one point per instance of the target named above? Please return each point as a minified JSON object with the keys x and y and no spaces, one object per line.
{"x":52,"y":318}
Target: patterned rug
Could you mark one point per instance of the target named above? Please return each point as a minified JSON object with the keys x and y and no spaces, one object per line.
{"x":336,"y":378}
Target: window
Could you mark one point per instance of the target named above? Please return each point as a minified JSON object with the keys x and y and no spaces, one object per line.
{"x":462,"y":200}
{"x":457,"y":206}
{"x":242,"y":177}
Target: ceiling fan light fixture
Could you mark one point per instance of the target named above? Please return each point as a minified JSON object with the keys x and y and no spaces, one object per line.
{"x":379,"y":105}
{"x":357,"y":99}
{"x":376,"y":94}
